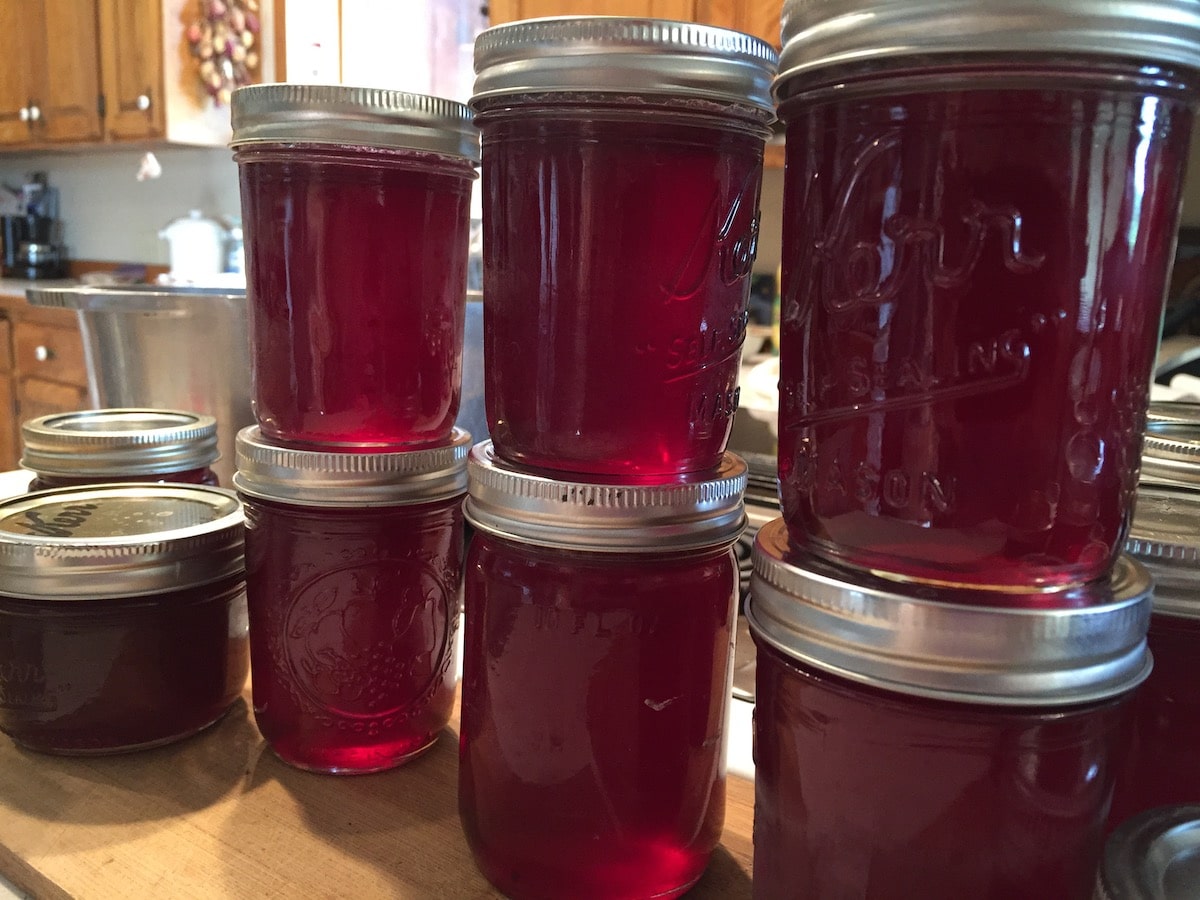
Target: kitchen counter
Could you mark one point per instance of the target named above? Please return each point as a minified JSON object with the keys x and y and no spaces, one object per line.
{"x":219,"y":815}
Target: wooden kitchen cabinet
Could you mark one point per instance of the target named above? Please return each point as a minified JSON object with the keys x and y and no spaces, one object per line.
{"x":757,"y":17}
{"x":132,"y":68}
{"x":43,"y":368}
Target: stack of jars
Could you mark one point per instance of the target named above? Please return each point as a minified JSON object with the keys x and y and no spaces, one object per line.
{"x":980,"y":201}
{"x":355,"y":205}
{"x":622,"y":162}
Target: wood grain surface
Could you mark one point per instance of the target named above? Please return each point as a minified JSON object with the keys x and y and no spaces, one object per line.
{"x":218,"y":815}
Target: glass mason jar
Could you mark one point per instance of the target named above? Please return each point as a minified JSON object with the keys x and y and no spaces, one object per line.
{"x":907,"y":747}
{"x":1160,"y":768}
{"x":596,"y":679}
{"x":622,"y":165}
{"x":94,"y":446}
{"x":1152,"y":856}
{"x":122,"y":615}
{"x":355,"y":212}
{"x":353,"y":567}
{"x":980,"y":210}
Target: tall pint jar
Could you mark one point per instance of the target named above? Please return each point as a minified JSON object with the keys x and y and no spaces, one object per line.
{"x":596,"y":679}
{"x":355,"y":208}
{"x":622,"y":165}
{"x":980,"y":208}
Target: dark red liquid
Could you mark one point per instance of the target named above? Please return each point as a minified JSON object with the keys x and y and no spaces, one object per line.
{"x":109,"y":675}
{"x":973,"y":282}
{"x":353,"y":614}
{"x":1162,"y":768}
{"x":594,"y":702}
{"x":874,"y":795}
{"x":616,"y":257}
{"x":356,"y":277}
{"x":203,"y":475}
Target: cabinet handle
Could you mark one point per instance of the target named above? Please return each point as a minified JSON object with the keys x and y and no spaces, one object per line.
{"x":34,"y":114}
{"x":23,"y":114}
{"x":42,"y":353}
{"x":143,"y":102}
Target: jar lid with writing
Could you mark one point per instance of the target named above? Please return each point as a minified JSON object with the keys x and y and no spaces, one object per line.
{"x":342,"y":115}
{"x":1154,"y":855}
{"x":605,"y":515}
{"x":311,"y":477}
{"x":112,"y":541}
{"x":118,"y":442}
{"x":1165,"y":538}
{"x":939,"y":644}
{"x":630,"y":56}
{"x":824,"y":34}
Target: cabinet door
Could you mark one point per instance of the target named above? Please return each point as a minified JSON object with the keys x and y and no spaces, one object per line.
{"x":132,"y":71}
{"x":18,"y":62}
{"x":757,"y":17}
{"x":509,"y":10}
{"x":68,"y":101}
{"x":36,"y":397}
{"x":9,"y":426}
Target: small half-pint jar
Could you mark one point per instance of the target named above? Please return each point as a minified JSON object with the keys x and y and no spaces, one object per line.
{"x":971,"y":296}
{"x":353,"y":566}
{"x":122,"y":615}
{"x":355,"y":217}
{"x":622,"y":164}
{"x":1160,"y":768}
{"x":95,"y":446}
{"x":907,"y":747}
{"x":596,"y":679}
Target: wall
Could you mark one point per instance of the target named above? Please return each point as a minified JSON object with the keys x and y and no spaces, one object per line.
{"x":109,"y":215}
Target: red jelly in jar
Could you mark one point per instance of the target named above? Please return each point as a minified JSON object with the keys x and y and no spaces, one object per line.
{"x":355,"y":208}
{"x":596,"y":679}
{"x":122,"y":615}
{"x":911,"y":748}
{"x":980,"y":209}
{"x":1161,"y":766}
{"x":96,"y":446}
{"x":353,"y":567}
{"x":622,"y":163}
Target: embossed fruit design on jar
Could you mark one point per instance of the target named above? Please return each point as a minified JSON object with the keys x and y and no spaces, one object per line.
{"x":357,"y":209}
{"x":911,"y":747}
{"x":979,"y":224}
{"x":353,"y":570}
{"x":596,"y":679}
{"x":622,"y":165}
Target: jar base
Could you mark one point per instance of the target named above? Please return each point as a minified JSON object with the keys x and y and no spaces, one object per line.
{"x":354,"y":761}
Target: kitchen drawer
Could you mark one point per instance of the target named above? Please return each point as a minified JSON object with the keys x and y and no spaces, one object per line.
{"x":37,"y":397}
{"x":49,"y":352}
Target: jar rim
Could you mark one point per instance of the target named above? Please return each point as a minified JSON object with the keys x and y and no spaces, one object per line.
{"x":630,"y":55}
{"x":352,"y":116}
{"x":1141,"y":850}
{"x":118,"y":540}
{"x":348,"y":477}
{"x":823,"y":34}
{"x":118,"y":441}
{"x":941,"y":646}
{"x":605,"y":516}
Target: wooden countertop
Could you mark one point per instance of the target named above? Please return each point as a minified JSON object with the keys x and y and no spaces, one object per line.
{"x":219,"y":815}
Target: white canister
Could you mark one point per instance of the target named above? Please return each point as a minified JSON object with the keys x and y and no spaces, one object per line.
{"x":197,"y":246}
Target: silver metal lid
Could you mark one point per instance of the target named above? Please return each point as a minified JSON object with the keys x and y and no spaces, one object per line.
{"x":632,"y":56}
{"x":118,"y":442}
{"x":605,"y":516}
{"x":309,"y":477}
{"x":1171,"y":454}
{"x":115,"y":540}
{"x":951,"y":649}
{"x":1165,"y":538}
{"x":1177,"y":412}
{"x":1154,"y":855}
{"x":352,"y":116}
{"x":819,"y":34}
